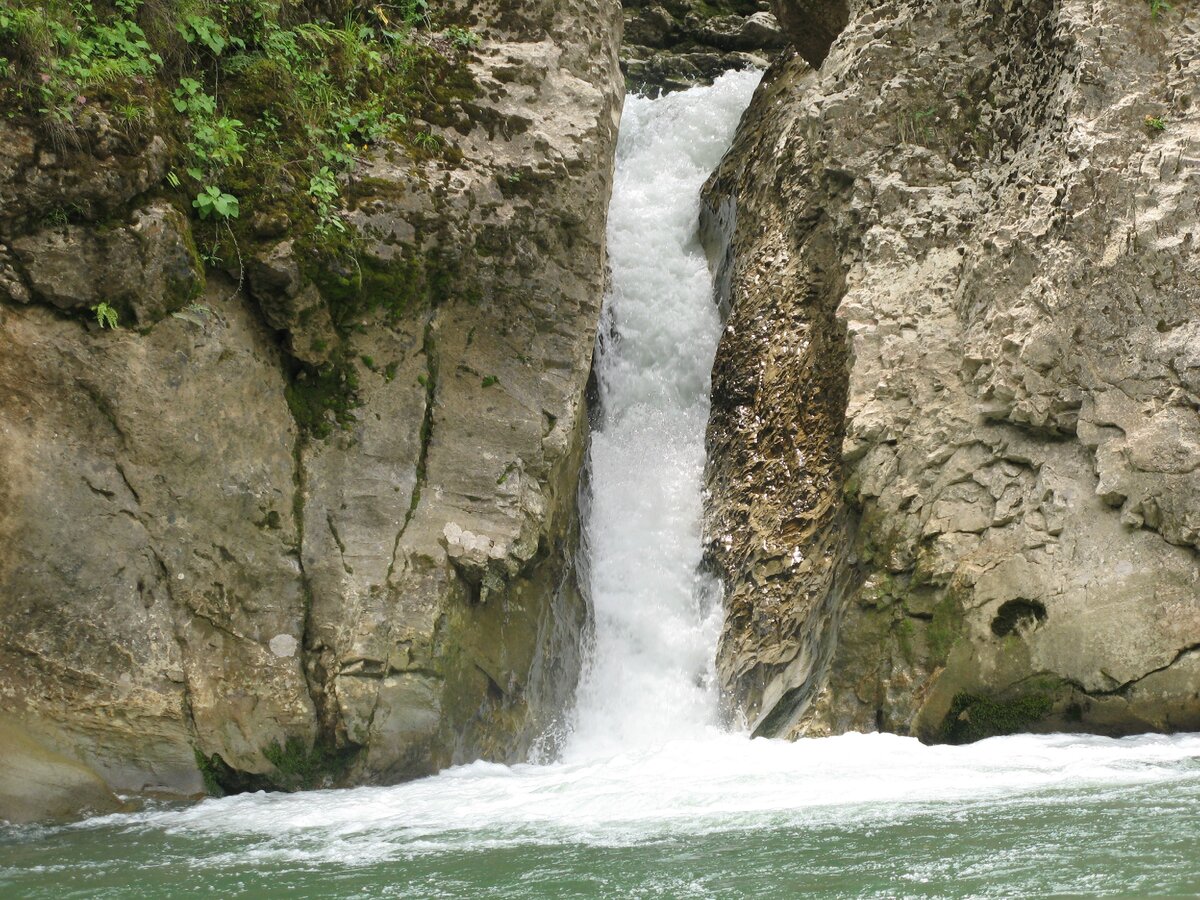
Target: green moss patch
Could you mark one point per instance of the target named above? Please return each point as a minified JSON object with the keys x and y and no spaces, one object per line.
{"x":973,"y":717}
{"x":299,"y":767}
{"x":322,"y":399}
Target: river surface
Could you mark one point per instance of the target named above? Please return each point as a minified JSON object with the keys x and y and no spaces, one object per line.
{"x":648,"y":796}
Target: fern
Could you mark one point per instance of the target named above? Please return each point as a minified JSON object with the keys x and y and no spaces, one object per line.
{"x":105,"y":315}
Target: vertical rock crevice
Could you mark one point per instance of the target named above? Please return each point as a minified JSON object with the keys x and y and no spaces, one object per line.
{"x":812,"y":25}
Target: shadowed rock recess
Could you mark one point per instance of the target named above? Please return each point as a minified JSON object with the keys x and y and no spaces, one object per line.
{"x":194,"y":589}
{"x":671,"y":45}
{"x":955,"y":449}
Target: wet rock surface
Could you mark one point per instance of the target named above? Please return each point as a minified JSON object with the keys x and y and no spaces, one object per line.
{"x":971,"y":231}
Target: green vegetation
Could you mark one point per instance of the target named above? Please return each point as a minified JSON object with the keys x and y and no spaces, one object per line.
{"x":1158,"y":8}
{"x":212,"y":201}
{"x":268,"y":108}
{"x":105,"y":315}
{"x":973,"y":718}
{"x":324,"y":398}
{"x":1156,"y":123}
{"x":945,"y":628}
{"x":58,"y":57}
{"x":210,"y":771}
{"x":256,"y":87}
{"x":298,"y":767}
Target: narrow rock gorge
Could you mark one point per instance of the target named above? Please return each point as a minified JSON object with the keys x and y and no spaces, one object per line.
{"x":307,"y":515}
{"x":298,"y":304}
{"x":955,"y":449}
{"x":599,"y":448}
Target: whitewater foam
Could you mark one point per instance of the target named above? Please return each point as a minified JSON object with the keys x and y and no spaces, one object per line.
{"x":693,"y":787}
{"x":649,"y":672}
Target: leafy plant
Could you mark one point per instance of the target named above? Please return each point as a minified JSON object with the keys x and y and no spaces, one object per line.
{"x":415,"y":12}
{"x":105,"y":315}
{"x":204,"y":31}
{"x":212,"y":201}
{"x":1156,"y":123}
{"x":217,"y":142}
{"x":323,"y":186}
{"x":190,"y":98}
{"x":462,"y":37}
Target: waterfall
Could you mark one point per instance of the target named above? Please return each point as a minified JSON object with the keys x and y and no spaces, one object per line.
{"x":650,"y":798}
{"x":649,"y":672}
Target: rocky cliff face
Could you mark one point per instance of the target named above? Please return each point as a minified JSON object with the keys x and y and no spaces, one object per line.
{"x":955,"y":445}
{"x":222,"y":555}
{"x":674,"y":44}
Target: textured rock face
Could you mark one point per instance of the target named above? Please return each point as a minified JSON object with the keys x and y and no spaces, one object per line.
{"x":812,"y":25}
{"x":673,"y":44}
{"x":968,"y":231}
{"x":37,"y":784}
{"x":182,"y":571}
{"x":444,"y":616}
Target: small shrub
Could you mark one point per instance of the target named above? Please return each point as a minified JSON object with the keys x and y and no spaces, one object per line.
{"x":1158,"y":8}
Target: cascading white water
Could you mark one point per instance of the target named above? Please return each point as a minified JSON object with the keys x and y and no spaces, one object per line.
{"x":651,"y":799}
{"x":649,"y":676}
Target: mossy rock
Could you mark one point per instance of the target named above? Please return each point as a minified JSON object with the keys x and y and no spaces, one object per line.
{"x":973,"y":717}
{"x":325,"y":398}
{"x":297,"y":767}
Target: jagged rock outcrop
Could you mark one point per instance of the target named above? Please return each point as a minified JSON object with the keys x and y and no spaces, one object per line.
{"x":954,"y":454}
{"x":674,"y":44}
{"x":190,"y":580}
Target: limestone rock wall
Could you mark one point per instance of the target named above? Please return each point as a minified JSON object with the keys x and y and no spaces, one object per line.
{"x":954,"y":453}
{"x":185,"y":574}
